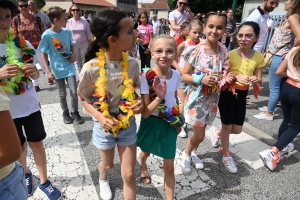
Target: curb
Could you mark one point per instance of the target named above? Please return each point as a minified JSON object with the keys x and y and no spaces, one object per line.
{"x":251,"y":130}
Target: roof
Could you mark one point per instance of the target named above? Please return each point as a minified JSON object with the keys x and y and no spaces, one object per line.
{"x":144,"y":9}
{"x":95,"y":3}
{"x":157,"y":4}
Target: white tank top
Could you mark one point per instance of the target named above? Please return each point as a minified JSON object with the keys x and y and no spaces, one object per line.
{"x":181,"y":59}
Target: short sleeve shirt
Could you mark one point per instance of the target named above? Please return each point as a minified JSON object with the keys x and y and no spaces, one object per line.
{"x":172,"y":85}
{"x":60,"y":66}
{"x":114,"y":84}
{"x":292,"y":71}
{"x":144,"y":33}
{"x":45,"y":19}
{"x":179,"y":18}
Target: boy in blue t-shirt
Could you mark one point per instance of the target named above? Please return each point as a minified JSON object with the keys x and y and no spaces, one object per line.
{"x":57,"y":44}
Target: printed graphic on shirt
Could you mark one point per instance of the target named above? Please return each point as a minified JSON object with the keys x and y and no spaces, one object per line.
{"x":143,"y":32}
{"x":3,"y":60}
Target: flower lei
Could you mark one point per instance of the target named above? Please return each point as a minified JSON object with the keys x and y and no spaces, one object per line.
{"x":62,"y":49}
{"x":169,"y":114}
{"x":16,"y":84}
{"x":128,"y":97}
{"x":191,"y":42}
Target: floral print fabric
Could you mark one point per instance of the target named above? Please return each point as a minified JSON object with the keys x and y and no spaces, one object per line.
{"x":282,"y":37}
{"x":203,"y":110}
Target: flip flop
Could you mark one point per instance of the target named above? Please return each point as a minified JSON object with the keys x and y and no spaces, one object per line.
{"x":249,"y":103}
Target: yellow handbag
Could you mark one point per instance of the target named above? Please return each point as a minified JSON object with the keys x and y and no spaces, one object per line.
{"x":268,"y":56}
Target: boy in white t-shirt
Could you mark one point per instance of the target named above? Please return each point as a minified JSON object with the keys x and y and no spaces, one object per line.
{"x":17,"y":67}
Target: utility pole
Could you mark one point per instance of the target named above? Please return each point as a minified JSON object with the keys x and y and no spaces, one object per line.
{"x":234,"y":4}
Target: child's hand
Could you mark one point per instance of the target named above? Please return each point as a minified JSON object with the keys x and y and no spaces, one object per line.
{"x":160,"y":88}
{"x":208,"y":80}
{"x":73,"y":59}
{"x":243,"y":79}
{"x":107,"y":124}
{"x":29,"y":69}
{"x":253,"y":79}
{"x":50,"y":76}
{"x":230,"y":77}
{"x":138,"y":107}
{"x":147,"y":51}
{"x":9,"y":71}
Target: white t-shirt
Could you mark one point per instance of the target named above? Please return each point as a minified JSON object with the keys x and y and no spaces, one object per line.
{"x":172,"y":85}
{"x":179,"y":18}
{"x":27,"y":103}
{"x":45,"y":19}
{"x":88,"y":18}
{"x":270,"y":22}
{"x":156,"y":25}
{"x":261,"y":18}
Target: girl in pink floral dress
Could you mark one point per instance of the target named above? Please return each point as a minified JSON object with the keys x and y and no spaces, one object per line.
{"x":206,"y":71}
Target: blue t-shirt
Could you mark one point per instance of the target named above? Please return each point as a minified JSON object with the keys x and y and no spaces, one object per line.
{"x":60,"y":66}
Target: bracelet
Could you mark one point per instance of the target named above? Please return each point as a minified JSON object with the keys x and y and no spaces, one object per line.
{"x":197,"y":78}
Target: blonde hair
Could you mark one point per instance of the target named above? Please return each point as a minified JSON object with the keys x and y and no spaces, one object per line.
{"x":195,"y":23}
{"x":163,"y":36}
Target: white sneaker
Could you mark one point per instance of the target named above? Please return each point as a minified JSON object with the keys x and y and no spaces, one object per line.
{"x":269,"y":158}
{"x":196,"y":161}
{"x":263,"y":116}
{"x":287,"y":149}
{"x":229,"y":164}
{"x":186,"y":167}
{"x":263,"y":109}
{"x":215,"y":139}
{"x":182,"y":133}
{"x":105,"y":192}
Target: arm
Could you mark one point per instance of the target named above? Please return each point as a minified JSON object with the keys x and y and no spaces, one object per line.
{"x":282,"y":69}
{"x":73,"y":59}
{"x":295,"y":24}
{"x":174,"y":26}
{"x":149,"y":107}
{"x":88,"y":33}
{"x":49,"y":25}
{"x":186,"y":75}
{"x":10,"y":148}
{"x":257,"y":76}
{"x":180,"y":49}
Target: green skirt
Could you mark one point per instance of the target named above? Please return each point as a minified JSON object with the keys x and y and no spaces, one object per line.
{"x":157,"y":136}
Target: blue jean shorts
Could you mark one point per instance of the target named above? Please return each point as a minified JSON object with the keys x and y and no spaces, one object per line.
{"x":105,"y":141}
{"x":13,"y":186}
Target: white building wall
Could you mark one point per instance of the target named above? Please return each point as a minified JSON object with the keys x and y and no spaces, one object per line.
{"x":255,"y":3}
{"x":160,"y":14}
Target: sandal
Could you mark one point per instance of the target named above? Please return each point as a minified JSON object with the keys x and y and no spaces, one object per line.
{"x":145,"y":178}
{"x":249,"y":103}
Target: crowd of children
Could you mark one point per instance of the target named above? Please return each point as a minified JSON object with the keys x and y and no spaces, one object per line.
{"x":206,"y":78}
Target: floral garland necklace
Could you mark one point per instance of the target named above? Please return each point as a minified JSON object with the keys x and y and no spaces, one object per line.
{"x":169,"y":114}
{"x":191,"y":42}
{"x":16,"y":84}
{"x":128,"y":97}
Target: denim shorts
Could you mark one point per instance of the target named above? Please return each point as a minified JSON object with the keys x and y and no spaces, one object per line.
{"x":105,"y":141}
{"x":13,"y":186}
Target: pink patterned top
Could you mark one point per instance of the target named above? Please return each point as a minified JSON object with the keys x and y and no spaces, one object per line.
{"x":282,"y":38}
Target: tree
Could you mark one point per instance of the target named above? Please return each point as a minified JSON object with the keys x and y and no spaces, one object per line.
{"x":206,"y":6}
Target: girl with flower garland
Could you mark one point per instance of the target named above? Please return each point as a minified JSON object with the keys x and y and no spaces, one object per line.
{"x":195,"y":32}
{"x":107,"y":92}
{"x":246,"y":64}
{"x":161,"y":119}
{"x":205,"y":70}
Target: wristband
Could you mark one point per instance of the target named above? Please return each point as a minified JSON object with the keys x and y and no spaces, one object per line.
{"x":197,"y":78}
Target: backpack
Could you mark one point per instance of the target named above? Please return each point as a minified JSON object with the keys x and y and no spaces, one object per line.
{"x":17,"y":19}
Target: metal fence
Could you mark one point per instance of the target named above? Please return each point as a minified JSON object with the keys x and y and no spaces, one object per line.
{"x":277,"y":22}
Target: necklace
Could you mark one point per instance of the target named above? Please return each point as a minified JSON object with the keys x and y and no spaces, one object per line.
{"x":191,"y":42}
{"x":16,"y":84}
{"x":169,"y":114}
{"x":128,"y":97}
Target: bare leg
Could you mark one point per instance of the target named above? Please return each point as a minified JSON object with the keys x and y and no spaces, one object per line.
{"x":195,"y":140}
{"x":128,"y":160}
{"x":39,"y":155}
{"x":169,"y":178}
{"x":106,"y":163}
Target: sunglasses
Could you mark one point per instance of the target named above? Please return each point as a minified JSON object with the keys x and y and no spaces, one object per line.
{"x":183,"y":3}
{"x":75,"y":10}
{"x":23,"y":6}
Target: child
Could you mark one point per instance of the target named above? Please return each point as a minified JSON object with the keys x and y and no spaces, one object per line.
{"x":15,"y":73}
{"x":107,"y":92}
{"x":158,"y":130}
{"x":184,"y":33}
{"x":246,"y":64}
{"x":290,"y":126}
{"x":145,"y":34}
{"x":205,"y":70}
{"x":195,"y":32}
{"x":57,"y":44}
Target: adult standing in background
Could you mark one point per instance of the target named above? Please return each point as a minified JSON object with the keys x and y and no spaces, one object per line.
{"x":156,"y":26}
{"x":86,"y":16}
{"x":230,"y":28}
{"x":30,"y":27}
{"x":261,"y":15}
{"x":81,"y":34}
{"x":182,"y":14}
{"x":34,"y":10}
